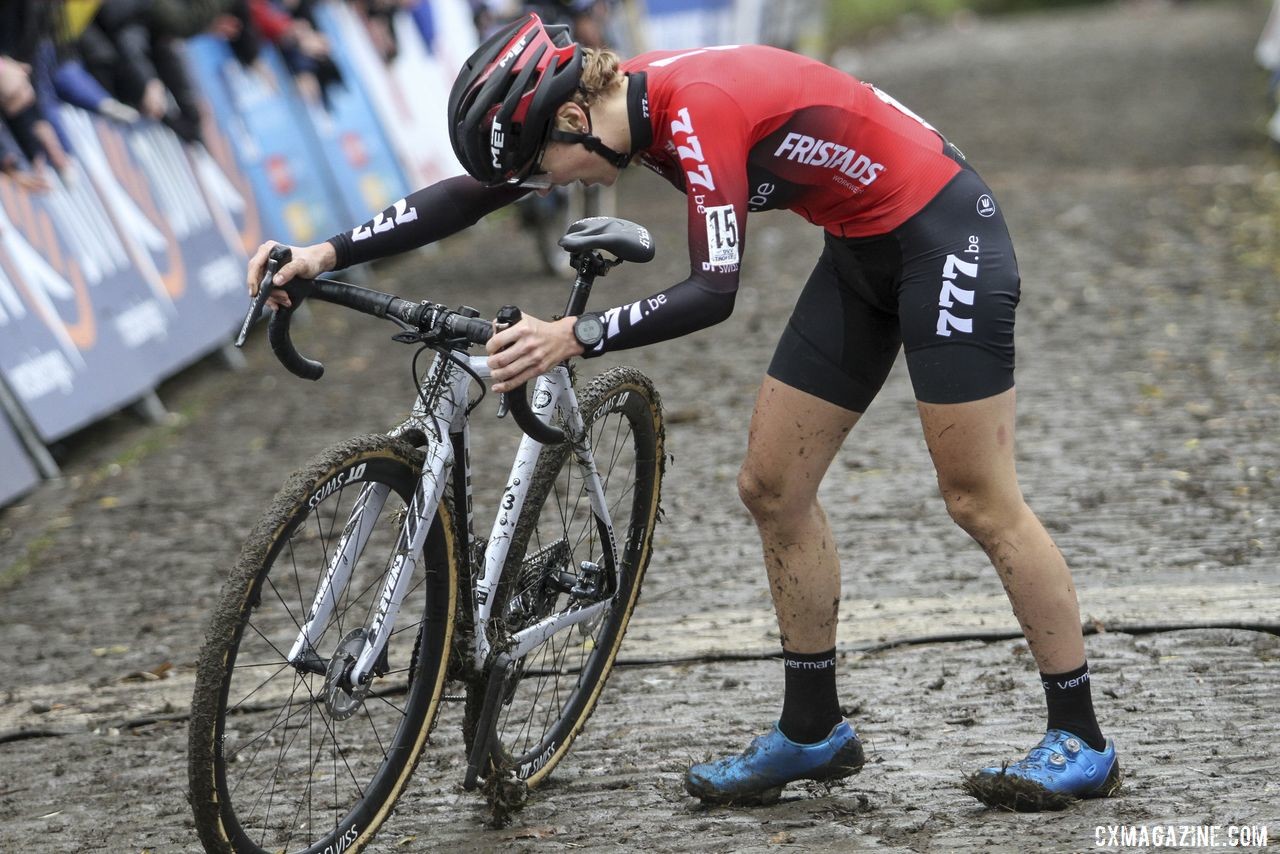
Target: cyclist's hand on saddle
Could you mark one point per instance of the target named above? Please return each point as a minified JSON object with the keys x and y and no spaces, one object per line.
{"x":308,"y":262}
{"x":531,"y":347}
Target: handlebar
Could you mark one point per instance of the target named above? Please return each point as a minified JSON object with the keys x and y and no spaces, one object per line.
{"x":426,"y":317}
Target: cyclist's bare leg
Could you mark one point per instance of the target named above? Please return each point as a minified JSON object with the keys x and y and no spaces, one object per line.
{"x":793,"y":438}
{"x":972,"y":445}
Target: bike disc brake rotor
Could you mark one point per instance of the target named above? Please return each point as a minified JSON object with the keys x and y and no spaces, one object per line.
{"x":341,"y":698}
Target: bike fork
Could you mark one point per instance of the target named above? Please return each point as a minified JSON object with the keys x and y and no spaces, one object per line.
{"x":413,"y":536}
{"x":364,"y":516}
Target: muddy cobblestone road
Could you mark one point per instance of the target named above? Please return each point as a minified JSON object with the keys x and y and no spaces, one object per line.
{"x":1124,"y":143}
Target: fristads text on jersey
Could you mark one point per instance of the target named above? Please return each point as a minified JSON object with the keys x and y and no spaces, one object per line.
{"x":832,"y":155}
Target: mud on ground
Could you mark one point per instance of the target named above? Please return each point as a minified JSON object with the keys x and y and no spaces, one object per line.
{"x":1125,"y":144}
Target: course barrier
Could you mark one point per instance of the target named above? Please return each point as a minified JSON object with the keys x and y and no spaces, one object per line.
{"x":130,"y":266}
{"x":19,"y":472}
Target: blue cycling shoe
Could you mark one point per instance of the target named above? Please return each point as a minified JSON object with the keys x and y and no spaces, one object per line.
{"x":1059,"y":770}
{"x":773,"y":760}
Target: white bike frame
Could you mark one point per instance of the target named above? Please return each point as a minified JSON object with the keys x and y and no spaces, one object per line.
{"x":440,"y":413}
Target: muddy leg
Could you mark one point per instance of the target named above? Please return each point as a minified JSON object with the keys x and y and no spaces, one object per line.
{"x":972,"y":449}
{"x":793,"y":438}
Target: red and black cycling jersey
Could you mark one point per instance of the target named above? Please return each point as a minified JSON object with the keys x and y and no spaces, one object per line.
{"x":752,"y":128}
{"x":737,"y":129}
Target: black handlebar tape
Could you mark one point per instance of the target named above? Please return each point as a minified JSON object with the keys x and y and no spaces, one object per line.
{"x":282,"y":343}
{"x":361,"y":299}
{"x":517,"y":399}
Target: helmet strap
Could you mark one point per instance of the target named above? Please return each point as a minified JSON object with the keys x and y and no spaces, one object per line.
{"x":590,"y":142}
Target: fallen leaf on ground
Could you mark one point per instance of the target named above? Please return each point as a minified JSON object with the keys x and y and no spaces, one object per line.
{"x":118,"y":649}
{"x":155,"y":674}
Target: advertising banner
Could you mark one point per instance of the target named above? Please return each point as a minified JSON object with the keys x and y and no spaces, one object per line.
{"x":17,"y":474}
{"x":362,"y":168}
{"x":225,"y":186}
{"x":409,"y":95}
{"x":254,"y":111}
{"x":681,"y":24}
{"x":80,"y":330}
{"x":148,"y":188}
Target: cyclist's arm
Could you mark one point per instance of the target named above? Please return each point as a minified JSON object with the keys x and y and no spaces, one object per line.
{"x":710,"y":134}
{"x":682,"y":308}
{"x":422,"y":217}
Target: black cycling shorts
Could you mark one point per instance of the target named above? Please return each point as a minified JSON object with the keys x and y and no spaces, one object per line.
{"x":944,"y":284}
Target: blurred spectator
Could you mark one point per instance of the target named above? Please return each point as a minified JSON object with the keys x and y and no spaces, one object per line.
{"x":1268,"y":55}
{"x":16,"y":91}
{"x":587,"y":19}
{"x":290,"y":27}
{"x":134,"y":48}
{"x":17,"y":97}
{"x":378,"y":16}
{"x":31,"y":134}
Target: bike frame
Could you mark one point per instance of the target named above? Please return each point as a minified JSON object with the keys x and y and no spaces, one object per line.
{"x":440,"y":415}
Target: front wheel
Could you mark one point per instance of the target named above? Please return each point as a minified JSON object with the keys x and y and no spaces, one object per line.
{"x":551,"y":692}
{"x":283,"y":755}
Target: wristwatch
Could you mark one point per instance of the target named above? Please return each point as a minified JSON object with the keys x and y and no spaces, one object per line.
{"x":588,"y":329}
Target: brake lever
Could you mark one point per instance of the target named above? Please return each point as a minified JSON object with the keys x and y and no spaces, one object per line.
{"x":508,"y":315}
{"x":280,"y":255}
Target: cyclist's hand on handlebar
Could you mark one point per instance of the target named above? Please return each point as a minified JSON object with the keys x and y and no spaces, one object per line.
{"x":531,"y":347}
{"x":308,"y":262}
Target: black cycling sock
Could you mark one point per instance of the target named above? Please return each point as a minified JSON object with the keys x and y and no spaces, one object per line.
{"x":1071,"y":705}
{"x":810,"y":707}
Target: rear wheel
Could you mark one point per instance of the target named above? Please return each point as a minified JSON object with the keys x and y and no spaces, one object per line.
{"x":551,"y":692}
{"x":285,"y":756}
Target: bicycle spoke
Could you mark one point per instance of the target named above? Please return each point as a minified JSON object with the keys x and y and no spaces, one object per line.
{"x":283,"y":656}
{"x":284,"y":604}
{"x":557,"y":680}
{"x":262,"y":738}
{"x":272,"y":738}
{"x":242,"y":700}
{"x":383,"y":699}
{"x":284,"y":748}
{"x":374,"y":727}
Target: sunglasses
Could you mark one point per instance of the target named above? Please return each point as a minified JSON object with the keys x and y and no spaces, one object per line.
{"x":534,"y":177}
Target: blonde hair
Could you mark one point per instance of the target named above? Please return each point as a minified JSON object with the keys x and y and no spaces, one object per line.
{"x":600,"y":75}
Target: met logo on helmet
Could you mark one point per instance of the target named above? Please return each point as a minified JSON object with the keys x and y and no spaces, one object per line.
{"x":513,"y":51}
{"x":497,"y":138}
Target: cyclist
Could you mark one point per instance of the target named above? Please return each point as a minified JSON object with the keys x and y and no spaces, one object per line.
{"x":916,"y":254}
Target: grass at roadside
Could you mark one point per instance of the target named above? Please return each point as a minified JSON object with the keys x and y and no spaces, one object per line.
{"x":32,"y":553}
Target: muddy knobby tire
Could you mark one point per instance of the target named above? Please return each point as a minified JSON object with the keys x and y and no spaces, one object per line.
{"x":313,"y":780}
{"x":540,"y":716}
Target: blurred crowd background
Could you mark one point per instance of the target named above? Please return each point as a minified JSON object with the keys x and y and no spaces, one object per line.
{"x":147,"y":145}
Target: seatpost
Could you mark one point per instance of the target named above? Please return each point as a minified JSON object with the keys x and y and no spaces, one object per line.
{"x":589,"y":265}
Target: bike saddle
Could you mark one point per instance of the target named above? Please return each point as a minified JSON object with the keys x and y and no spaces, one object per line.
{"x":624,"y":239}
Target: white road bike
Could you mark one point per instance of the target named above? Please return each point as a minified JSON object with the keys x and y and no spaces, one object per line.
{"x":363,"y":591}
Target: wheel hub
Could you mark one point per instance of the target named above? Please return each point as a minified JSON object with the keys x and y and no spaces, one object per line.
{"x":341,"y":698}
